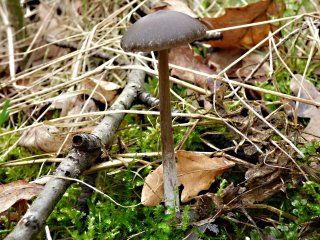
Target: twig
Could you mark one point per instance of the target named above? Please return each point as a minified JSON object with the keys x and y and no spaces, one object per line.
{"x":244,"y":211}
{"x":147,"y":99}
{"x":272,"y":209}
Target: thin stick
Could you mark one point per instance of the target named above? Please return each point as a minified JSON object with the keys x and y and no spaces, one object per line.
{"x":272,"y":209}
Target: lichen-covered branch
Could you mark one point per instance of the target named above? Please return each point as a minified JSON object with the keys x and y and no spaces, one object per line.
{"x":86,"y":148}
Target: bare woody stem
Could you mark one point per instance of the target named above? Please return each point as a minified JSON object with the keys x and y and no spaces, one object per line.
{"x":170,"y":179}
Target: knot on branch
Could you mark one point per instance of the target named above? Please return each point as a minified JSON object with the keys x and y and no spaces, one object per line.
{"x":31,"y":222}
{"x":86,"y":142}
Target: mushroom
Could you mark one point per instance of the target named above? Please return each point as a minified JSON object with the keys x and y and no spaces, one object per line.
{"x":161,"y":31}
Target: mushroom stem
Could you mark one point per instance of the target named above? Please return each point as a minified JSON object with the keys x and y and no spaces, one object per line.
{"x":170,"y":179}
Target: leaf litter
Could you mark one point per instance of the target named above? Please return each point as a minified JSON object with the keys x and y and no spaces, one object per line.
{"x":273,"y":170}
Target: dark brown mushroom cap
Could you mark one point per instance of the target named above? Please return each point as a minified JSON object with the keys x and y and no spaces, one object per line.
{"x":162,"y":30}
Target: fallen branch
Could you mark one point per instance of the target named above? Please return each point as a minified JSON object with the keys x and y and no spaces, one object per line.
{"x":86,"y":148}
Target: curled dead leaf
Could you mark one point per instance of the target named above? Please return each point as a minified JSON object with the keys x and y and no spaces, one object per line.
{"x":72,"y":105}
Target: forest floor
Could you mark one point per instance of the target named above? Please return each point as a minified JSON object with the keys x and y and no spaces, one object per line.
{"x":246,"y":133}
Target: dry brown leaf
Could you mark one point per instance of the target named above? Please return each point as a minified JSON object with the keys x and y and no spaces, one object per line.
{"x":20,"y":190}
{"x":20,"y":208}
{"x":152,"y":191}
{"x":196,"y":172}
{"x":175,"y":5}
{"x":308,"y":91}
{"x":185,"y":57}
{"x":46,"y":138}
{"x":251,"y":13}
{"x":49,"y":138}
{"x":106,"y":91}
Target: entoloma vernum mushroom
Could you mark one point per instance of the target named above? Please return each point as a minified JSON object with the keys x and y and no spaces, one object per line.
{"x":161,"y":31}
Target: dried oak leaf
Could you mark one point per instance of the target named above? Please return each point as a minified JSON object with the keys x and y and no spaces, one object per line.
{"x":200,"y":169}
{"x":16,"y":191}
{"x":195,"y":171}
{"x":251,"y":13}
